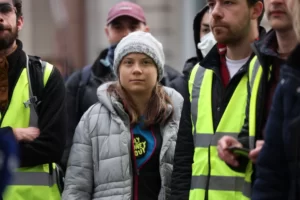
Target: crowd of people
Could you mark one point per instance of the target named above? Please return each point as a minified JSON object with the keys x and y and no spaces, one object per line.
{"x":131,"y":127}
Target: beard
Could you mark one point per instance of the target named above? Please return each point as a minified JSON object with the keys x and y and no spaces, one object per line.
{"x":232,"y":34}
{"x":9,"y":38}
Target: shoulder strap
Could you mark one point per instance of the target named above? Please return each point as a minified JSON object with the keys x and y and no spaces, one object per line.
{"x":34,"y":95}
{"x":32,"y":101}
{"x":84,"y":78}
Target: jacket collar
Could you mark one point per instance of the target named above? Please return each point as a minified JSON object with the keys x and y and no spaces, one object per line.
{"x":293,"y":59}
{"x":212,"y":59}
{"x":114,"y":105}
{"x":13,"y":58}
{"x":268,"y":44}
{"x":98,"y":69}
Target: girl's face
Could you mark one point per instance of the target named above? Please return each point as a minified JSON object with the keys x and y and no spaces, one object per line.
{"x":138,"y":73}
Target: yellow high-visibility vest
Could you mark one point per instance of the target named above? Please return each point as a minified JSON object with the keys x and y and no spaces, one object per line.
{"x":255,"y":80}
{"x":211,"y":176}
{"x":30,"y":183}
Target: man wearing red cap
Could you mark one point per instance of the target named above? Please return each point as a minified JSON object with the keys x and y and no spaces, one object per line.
{"x":123,"y":18}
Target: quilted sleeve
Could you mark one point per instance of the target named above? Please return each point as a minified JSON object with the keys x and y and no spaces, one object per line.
{"x":79,"y":175}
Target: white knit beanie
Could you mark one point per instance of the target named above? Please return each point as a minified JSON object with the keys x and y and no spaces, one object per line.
{"x":140,"y":42}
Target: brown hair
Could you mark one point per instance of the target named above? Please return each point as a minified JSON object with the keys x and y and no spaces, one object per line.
{"x":251,"y":3}
{"x":18,"y":5}
{"x":157,"y":107}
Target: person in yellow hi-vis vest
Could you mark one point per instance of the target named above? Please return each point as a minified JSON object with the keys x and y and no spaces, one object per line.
{"x":217,"y":89}
{"x":32,"y":96}
{"x":264,"y":75}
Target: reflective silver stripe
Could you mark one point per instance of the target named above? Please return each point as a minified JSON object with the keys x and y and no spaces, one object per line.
{"x":204,"y":140}
{"x":255,"y":70}
{"x":195,"y":94}
{"x":199,"y":182}
{"x":34,"y":178}
{"x":224,"y":183}
{"x":251,"y":142}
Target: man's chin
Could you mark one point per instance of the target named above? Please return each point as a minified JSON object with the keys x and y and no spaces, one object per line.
{"x":222,"y":40}
{"x":281,"y":26}
{"x":4,"y":44}
{"x":7,"y":41}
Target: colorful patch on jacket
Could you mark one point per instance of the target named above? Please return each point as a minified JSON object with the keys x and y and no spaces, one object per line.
{"x":144,"y":144}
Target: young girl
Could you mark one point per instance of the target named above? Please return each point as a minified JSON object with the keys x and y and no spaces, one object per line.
{"x":124,"y":145}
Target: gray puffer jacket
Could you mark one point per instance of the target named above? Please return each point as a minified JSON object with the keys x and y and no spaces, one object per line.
{"x":99,"y":165}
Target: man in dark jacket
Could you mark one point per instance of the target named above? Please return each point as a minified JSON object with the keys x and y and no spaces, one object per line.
{"x":278,"y":163}
{"x":225,"y":81}
{"x":123,"y":18}
{"x":277,"y":166}
{"x":9,"y":155}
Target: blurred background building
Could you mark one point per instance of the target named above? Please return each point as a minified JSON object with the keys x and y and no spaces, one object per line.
{"x":70,"y":33}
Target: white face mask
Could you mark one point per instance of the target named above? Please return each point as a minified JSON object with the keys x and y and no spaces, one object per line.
{"x":207,"y":42}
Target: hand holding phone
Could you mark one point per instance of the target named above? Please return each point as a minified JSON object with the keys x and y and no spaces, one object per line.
{"x":239,"y":151}
{"x":226,"y":154}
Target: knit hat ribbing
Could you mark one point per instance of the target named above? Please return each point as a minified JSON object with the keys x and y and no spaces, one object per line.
{"x":141,"y":42}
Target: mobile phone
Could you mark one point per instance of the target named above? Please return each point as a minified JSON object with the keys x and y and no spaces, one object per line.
{"x":239,"y":151}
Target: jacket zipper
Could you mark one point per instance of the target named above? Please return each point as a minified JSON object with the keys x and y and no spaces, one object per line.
{"x":136,"y":170}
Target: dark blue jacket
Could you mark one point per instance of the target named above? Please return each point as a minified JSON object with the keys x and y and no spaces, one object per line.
{"x":278,"y":168}
{"x":9,"y":157}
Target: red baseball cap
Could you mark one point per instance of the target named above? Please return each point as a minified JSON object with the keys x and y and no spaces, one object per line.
{"x":126,"y":8}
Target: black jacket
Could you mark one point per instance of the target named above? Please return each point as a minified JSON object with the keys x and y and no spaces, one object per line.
{"x":278,"y":169}
{"x":266,"y":55}
{"x":49,"y":146}
{"x":77,"y":105}
{"x":184,"y":152}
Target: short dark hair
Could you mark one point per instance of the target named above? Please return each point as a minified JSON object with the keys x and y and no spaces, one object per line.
{"x":252,"y":3}
{"x":18,"y":5}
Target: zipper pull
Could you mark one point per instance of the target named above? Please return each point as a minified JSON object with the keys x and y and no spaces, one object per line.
{"x":137,"y":172}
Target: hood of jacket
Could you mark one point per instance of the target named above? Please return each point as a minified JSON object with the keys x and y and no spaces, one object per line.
{"x":116,"y":107}
{"x":196,"y":27}
{"x":264,"y":48}
{"x":190,"y":63}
